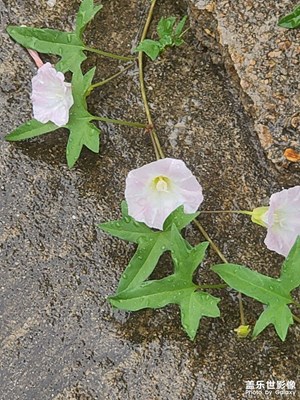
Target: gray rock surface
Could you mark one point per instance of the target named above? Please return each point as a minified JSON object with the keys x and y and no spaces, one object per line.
{"x":60,"y":339}
{"x":262,"y":60}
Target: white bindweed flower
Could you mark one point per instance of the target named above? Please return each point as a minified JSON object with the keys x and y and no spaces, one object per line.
{"x":282,"y":220}
{"x":51,"y":96}
{"x":156,"y":189}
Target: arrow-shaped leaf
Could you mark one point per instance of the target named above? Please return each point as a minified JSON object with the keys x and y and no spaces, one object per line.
{"x":252,"y":283}
{"x":195,"y":306}
{"x":82,"y":131}
{"x":30,"y":129}
{"x":168,"y":36}
{"x":85,"y":14}
{"x":291,"y":20}
{"x":174,"y":289}
{"x":128,"y":229}
{"x":179,"y":218}
{"x":290,"y":272}
{"x":165,"y":26}
{"x":144,"y":261}
{"x":67,"y":45}
{"x":152,"y":244}
{"x":277,"y":314}
{"x":275,"y":293}
{"x":150,"y":47}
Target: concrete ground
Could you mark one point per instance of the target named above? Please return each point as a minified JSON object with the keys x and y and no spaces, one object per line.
{"x":60,"y":339}
{"x":262,"y":60}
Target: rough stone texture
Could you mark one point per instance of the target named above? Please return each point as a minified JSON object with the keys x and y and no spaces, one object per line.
{"x":263,"y":61}
{"x":60,"y":339}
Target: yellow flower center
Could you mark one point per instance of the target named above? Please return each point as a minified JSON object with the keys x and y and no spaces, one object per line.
{"x":161,"y":184}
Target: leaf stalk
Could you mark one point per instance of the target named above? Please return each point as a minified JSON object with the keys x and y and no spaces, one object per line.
{"x":120,"y":122}
{"x":154,"y":138}
{"x":109,"y":55}
{"x":222,"y":257}
{"x":110,"y":78}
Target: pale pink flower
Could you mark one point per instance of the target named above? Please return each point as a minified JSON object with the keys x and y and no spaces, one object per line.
{"x":283,"y":220}
{"x":51,"y":96}
{"x":156,"y":189}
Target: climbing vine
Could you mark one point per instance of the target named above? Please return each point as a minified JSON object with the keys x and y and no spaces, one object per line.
{"x":163,"y":197}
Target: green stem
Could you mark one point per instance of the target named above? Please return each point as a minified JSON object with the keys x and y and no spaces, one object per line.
{"x":222,"y":257}
{"x":212,"y":244}
{"x":296,"y":318}
{"x":296,"y":304}
{"x":219,"y":286}
{"x":154,"y":138}
{"x":120,"y":122}
{"x":228,"y":212}
{"x":109,"y":55}
{"x":241,"y":308}
{"x":184,"y":32}
{"x":95,"y":85}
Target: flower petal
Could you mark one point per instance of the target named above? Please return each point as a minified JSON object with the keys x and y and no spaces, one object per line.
{"x":149,"y":204}
{"x":51,"y":96}
{"x":283,"y":220}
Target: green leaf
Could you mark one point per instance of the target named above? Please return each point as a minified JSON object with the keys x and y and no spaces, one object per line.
{"x":144,"y":260}
{"x":91,"y":138}
{"x":85,"y":14}
{"x":165,"y":26}
{"x":30,"y":129}
{"x":150,"y":47}
{"x":152,"y":244}
{"x":179,"y":218}
{"x":178,"y":42}
{"x":195,"y":306}
{"x":290,"y":272}
{"x":275,"y":293}
{"x":192,"y":255}
{"x":278,"y":315}
{"x":127,"y":228}
{"x":66,"y":45}
{"x":180,"y":26}
{"x":252,"y":283}
{"x":86,"y":81}
{"x":168,"y":36}
{"x":291,"y":20}
{"x":177,"y":288}
{"x":166,"y":41}
{"x":153,"y":294}
{"x":81,"y":133}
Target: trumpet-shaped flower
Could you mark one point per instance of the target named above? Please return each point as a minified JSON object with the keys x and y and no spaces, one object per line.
{"x":282,"y":219}
{"x":51,"y":96}
{"x":156,"y":189}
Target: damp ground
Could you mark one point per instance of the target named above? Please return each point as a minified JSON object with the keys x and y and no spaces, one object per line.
{"x":60,"y":338}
